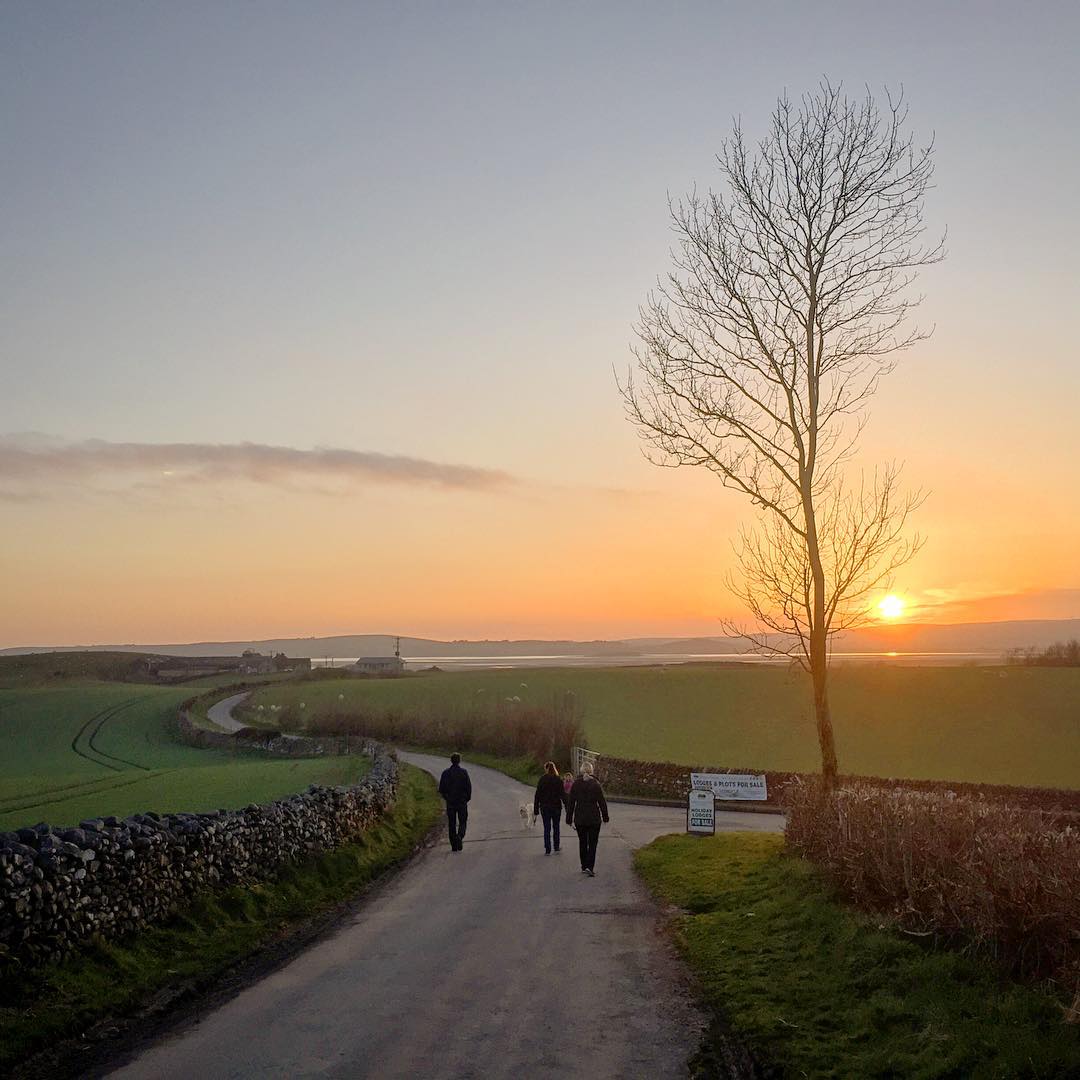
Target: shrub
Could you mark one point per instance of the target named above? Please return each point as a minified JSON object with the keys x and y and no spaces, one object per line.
{"x":1001,"y":879}
{"x":506,"y":729}
{"x":1060,"y":654}
{"x":253,"y":734}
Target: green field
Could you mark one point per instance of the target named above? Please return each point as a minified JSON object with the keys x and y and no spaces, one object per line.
{"x":998,"y":725}
{"x":77,"y":751}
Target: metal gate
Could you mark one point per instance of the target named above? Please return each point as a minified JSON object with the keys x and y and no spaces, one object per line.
{"x":581,"y":755}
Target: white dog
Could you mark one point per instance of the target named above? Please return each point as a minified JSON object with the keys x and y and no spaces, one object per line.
{"x":528,"y":818}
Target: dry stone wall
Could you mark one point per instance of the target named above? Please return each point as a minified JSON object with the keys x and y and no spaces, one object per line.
{"x":268,"y":741}
{"x":60,"y":888}
{"x":663,"y":780}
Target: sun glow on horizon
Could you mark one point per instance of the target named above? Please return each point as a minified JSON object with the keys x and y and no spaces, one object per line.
{"x":892,"y":607}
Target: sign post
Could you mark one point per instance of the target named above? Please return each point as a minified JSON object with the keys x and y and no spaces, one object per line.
{"x":731,"y":786}
{"x":700,"y":812}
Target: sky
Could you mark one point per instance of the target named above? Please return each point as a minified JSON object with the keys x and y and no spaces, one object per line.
{"x":310,"y":314}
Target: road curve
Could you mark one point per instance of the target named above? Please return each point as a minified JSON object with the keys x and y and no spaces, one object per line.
{"x":495,"y":962}
{"x":220,"y":713}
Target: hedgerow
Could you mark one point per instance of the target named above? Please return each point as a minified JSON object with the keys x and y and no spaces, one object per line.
{"x":1000,"y":879}
{"x":506,"y":729}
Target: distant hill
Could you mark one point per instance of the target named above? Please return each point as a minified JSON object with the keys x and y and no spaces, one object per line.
{"x":963,"y":637}
{"x":360,"y":645}
{"x":19,"y":669}
{"x":991,"y":637}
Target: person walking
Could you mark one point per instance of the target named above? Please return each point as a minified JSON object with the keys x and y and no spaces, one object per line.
{"x":456,"y":789}
{"x":585,"y":810}
{"x":549,"y":803}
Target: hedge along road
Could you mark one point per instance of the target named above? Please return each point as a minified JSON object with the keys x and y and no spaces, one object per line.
{"x":495,"y":962}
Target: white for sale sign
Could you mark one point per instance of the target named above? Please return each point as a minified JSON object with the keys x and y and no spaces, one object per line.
{"x":700,"y":812}
{"x":731,"y":785}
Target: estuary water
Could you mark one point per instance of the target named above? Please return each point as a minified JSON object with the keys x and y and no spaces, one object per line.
{"x":466,"y":663}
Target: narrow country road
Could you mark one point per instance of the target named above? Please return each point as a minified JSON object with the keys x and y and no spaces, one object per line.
{"x":220,"y":713}
{"x":495,"y":962}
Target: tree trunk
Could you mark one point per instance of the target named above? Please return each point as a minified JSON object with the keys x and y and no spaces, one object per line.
{"x":819,"y":657}
{"x":822,"y":715}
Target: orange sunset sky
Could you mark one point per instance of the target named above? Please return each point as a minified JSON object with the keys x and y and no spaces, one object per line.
{"x":309,"y":326}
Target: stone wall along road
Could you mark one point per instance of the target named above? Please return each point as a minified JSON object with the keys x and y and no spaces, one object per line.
{"x":495,"y":962}
{"x":61,"y":888}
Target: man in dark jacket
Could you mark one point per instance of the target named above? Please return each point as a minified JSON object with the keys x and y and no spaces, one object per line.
{"x":585,"y":809}
{"x":548,"y":802}
{"x":456,"y":789}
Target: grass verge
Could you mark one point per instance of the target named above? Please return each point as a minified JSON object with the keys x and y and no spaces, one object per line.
{"x":40,"y":1006}
{"x":819,"y":990}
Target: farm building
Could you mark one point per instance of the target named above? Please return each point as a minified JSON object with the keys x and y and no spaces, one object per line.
{"x":253,"y":663}
{"x":378,"y":665}
{"x":180,"y":668}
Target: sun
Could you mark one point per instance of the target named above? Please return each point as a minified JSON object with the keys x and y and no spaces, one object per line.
{"x":892,"y":607}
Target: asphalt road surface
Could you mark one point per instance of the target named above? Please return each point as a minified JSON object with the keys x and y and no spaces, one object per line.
{"x":497,"y":961}
{"x":220,"y":712}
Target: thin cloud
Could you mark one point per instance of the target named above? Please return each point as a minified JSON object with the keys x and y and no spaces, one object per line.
{"x":975,"y":605}
{"x":31,"y":465}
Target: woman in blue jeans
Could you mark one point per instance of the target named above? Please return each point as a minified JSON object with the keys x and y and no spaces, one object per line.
{"x":585,"y":810}
{"x":548,"y":803}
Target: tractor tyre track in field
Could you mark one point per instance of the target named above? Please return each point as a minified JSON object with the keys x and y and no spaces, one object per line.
{"x":101,"y":718}
{"x":49,"y":796}
{"x":97,"y":731}
{"x":84,"y":744}
{"x":79,"y":734}
{"x":82,"y":786}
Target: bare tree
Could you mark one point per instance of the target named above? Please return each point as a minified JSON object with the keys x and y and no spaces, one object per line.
{"x":760,"y":350}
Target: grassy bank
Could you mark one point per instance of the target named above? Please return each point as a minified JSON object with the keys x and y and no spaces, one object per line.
{"x":41,"y":1006}
{"x":1008,"y":725}
{"x":819,"y":990}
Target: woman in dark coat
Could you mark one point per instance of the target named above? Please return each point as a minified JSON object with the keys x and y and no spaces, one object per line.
{"x":548,"y":803}
{"x":586,"y":809}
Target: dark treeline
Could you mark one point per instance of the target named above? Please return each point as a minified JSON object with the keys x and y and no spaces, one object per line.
{"x":1060,"y":654}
